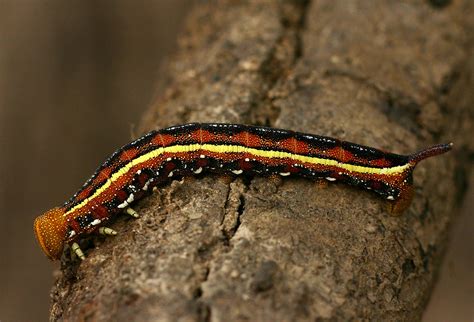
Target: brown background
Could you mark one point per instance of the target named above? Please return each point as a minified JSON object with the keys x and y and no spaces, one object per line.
{"x":74,"y":77}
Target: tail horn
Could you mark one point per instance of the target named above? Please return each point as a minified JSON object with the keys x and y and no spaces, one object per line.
{"x":430,"y":152}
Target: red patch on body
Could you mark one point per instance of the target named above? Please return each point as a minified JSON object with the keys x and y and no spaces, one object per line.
{"x":203,"y":136}
{"x":170,"y":166}
{"x":142,"y":179}
{"x":336,"y":175}
{"x":340,"y":154}
{"x":84,"y":193}
{"x":121,"y":195}
{"x":289,"y":144}
{"x":331,"y":153}
{"x":129,"y":154}
{"x":101,"y":212}
{"x":381,"y":163}
{"x":245,"y":165}
{"x":345,"y":156}
{"x":246,"y":139}
{"x":74,"y":224}
{"x":201,"y":163}
{"x":105,"y":173}
{"x":301,"y":148}
{"x":253,"y":141}
{"x":376,"y":185}
{"x":239,"y":138}
{"x":163,"y":140}
{"x":290,"y":168}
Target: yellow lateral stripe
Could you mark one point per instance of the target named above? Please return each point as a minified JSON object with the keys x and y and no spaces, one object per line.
{"x":303,"y":158}
{"x":236,"y":149}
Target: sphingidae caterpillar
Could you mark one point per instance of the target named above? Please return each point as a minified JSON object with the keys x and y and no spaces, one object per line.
{"x":160,"y":156}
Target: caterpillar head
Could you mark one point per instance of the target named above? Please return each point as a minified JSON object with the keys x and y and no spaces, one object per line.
{"x":50,"y":231}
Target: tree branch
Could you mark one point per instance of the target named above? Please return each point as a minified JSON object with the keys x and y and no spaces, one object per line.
{"x":386,"y":74}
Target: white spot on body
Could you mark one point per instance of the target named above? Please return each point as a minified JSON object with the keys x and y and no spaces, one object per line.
{"x":169,"y":159}
{"x":71,"y":234}
{"x":96,"y":222}
{"x":131,"y":198}
{"x":123,"y":204}
{"x":247,"y":159}
{"x":198,"y":170}
{"x":285,"y":174}
{"x":390,"y":198}
{"x":145,"y":186}
{"x":330,"y":179}
{"x":237,"y":172}
{"x":170,"y":174}
{"x":139,"y":171}
{"x":202,"y":156}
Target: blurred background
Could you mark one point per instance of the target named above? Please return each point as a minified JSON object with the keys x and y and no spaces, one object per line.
{"x":75,"y":76}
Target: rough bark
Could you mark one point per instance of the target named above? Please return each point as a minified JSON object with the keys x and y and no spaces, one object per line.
{"x":383,"y":73}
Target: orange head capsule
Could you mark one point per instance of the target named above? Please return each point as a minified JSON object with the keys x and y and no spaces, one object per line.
{"x":50,"y":229}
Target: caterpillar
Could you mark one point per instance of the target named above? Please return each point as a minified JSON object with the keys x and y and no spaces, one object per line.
{"x":191,"y":149}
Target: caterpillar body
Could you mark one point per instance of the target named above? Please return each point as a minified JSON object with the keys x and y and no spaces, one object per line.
{"x":160,"y":156}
